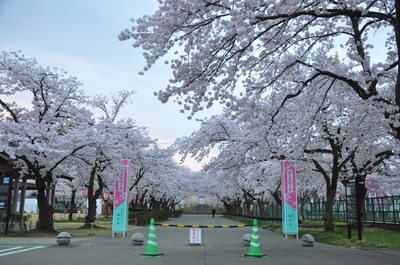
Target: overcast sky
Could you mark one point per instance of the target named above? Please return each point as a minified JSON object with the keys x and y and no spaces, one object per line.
{"x":80,"y":36}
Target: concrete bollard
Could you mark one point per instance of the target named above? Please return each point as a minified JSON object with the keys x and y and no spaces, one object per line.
{"x":307,"y":240}
{"x":137,"y":239}
{"x":246,"y":239}
{"x":63,"y":238}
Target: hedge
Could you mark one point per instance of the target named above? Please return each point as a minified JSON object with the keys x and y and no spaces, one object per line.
{"x":144,"y":217}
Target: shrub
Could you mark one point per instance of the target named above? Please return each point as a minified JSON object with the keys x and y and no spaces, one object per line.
{"x":144,"y":217}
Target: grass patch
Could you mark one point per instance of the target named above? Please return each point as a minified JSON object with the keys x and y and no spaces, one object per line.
{"x":250,"y":221}
{"x":76,"y":229}
{"x":70,"y":221}
{"x":371,"y":237}
{"x":89,"y":226}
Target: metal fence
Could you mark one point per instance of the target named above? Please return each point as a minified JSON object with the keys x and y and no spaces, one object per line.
{"x":377,"y":210}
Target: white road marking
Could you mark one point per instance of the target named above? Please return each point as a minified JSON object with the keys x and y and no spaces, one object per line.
{"x":22,"y":250}
{"x":8,"y":249}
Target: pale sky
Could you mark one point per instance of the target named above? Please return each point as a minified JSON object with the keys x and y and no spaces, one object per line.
{"x":81,"y":37}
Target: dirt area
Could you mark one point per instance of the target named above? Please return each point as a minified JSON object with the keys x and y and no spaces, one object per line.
{"x":75,"y":229}
{"x":78,"y":230}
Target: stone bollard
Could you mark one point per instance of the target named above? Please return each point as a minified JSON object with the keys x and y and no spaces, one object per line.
{"x":63,"y":238}
{"x":307,"y":240}
{"x":137,"y":239}
{"x":246,"y":239}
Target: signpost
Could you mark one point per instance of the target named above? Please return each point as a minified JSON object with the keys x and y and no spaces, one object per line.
{"x":5,"y":198}
{"x":352,"y":206}
{"x":4,"y":187}
{"x":121,"y":200}
{"x":289,"y":199}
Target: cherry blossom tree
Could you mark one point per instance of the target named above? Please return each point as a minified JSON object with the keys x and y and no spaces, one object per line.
{"x":250,"y":180}
{"x":114,"y":140}
{"x":230,"y":49}
{"x":224,"y":184}
{"x":309,"y":185}
{"x":56,"y":133}
{"x":70,"y":188}
{"x":378,"y":185}
{"x":74,"y":186}
{"x":336,"y":138}
{"x":160,"y":181}
{"x":343,"y":141}
{"x":374,"y":187}
{"x":43,"y":132}
{"x":233,"y":51}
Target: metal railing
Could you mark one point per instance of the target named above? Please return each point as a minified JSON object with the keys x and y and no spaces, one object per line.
{"x":377,"y":210}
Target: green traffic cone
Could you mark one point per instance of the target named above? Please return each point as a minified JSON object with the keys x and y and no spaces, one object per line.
{"x":255,"y":250}
{"x":152,"y":248}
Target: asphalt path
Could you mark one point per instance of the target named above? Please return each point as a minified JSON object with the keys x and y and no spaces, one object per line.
{"x":218,"y":246}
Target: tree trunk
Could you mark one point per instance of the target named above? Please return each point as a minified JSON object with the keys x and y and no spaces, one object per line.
{"x":143,"y":203}
{"x":247,"y":208}
{"x":154,"y":204}
{"x":92,"y":197}
{"x":228,"y":207}
{"x":304,"y":199}
{"x":361,"y":199}
{"x":328,"y":217}
{"x":237,"y":208}
{"x":261,"y":207}
{"x":72,"y":204}
{"x":247,"y":204}
{"x":164,"y":204}
{"x":46,"y":211}
{"x":303,"y":217}
{"x":276,"y":194}
{"x":135,"y":203}
{"x":331,"y":186}
{"x":91,"y":216}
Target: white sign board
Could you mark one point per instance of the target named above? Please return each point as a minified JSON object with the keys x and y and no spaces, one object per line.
{"x":202,"y":200}
{"x":195,"y":236}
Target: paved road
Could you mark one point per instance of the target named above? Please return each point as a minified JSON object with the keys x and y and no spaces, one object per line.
{"x":219,"y":246}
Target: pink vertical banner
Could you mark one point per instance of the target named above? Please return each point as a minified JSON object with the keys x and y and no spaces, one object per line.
{"x":121,"y":198}
{"x":289,"y":198}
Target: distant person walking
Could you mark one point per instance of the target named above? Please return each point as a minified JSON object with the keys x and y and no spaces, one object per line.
{"x":213,"y":212}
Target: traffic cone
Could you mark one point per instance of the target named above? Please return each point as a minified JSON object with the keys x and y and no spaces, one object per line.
{"x":152,"y":248}
{"x":255,"y":250}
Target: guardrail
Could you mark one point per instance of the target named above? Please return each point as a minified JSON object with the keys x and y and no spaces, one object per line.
{"x":255,"y":217}
{"x":204,"y":226}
